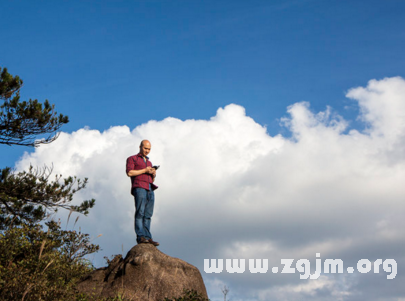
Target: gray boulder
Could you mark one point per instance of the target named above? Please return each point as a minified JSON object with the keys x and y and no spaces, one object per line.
{"x":146,"y":274}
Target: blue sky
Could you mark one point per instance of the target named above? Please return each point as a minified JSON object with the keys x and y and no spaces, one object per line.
{"x":126,"y":62}
{"x":123,"y":63}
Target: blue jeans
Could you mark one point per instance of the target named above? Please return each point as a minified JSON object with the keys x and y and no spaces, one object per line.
{"x":144,"y":203}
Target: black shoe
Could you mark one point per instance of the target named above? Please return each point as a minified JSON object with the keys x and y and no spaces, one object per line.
{"x":143,"y":240}
{"x":151,"y":241}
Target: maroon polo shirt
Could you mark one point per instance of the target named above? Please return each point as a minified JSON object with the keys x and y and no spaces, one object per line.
{"x":143,"y":180}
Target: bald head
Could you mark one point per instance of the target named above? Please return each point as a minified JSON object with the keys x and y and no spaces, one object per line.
{"x":143,"y":142}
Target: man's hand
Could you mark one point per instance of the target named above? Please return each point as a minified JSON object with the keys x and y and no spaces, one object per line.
{"x":149,"y":170}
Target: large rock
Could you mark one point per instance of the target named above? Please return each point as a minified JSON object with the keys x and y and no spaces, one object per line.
{"x":146,"y":274}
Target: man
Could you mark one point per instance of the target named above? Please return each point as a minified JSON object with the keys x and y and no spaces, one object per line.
{"x":142,"y":174}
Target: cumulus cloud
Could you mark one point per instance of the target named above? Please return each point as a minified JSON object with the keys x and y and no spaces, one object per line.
{"x":227,"y":189}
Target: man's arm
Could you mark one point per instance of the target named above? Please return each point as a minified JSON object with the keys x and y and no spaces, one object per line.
{"x":134,"y":173}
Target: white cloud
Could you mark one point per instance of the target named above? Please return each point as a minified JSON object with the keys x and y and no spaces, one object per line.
{"x":309,"y":289}
{"x":228,"y":189}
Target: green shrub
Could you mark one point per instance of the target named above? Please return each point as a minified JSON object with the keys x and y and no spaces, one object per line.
{"x":188,"y":295}
{"x":39,"y":265}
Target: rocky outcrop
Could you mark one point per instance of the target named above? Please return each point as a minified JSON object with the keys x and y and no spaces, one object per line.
{"x":145,"y":274}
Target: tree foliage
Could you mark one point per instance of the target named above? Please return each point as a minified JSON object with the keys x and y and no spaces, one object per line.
{"x":37,"y":263}
{"x":21,"y":121}
{"x":28,"y":196}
